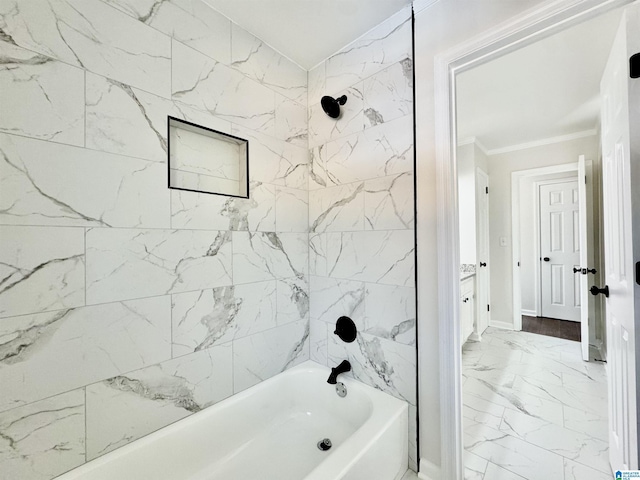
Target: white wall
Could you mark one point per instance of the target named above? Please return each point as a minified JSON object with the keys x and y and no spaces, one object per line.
{"x":500,"y":169}
{"x":467,"y":202}
{"x":438,"y":28}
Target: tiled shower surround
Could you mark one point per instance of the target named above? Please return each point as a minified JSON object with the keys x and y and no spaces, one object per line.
{"x":125,"y":306}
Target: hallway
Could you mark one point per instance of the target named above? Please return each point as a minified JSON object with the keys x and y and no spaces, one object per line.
{"x":532,"y":409}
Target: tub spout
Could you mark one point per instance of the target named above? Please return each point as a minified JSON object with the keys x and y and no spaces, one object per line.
{"x":344,"y":367}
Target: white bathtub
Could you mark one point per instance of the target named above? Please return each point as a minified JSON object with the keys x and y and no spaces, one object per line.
{"x":270,"y":432}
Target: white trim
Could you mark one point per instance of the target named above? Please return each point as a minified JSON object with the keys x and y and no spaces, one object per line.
{"x":544,"y":141}
{"x":546,"y":19}
{"x":420,"y":5}
{"x":529,"y":313}
{"x":502,"y":325}
{"x":476,"y":142}
{"x":428,"y":470}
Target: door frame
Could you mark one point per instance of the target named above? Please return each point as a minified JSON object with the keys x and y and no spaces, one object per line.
{"x":571,"y":170}
{"x":523,"y":29}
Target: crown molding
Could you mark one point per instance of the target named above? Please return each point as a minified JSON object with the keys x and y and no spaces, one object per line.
{"x":542,"y":142}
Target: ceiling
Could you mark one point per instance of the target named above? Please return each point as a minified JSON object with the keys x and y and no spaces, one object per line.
{"x":544,"y":90}
{"x":308,"y":31}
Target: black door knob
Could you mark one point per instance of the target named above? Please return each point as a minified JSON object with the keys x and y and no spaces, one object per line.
{"x":483,"y":264}
{"x":589,"y":270}
{"x":576,"y":270}
{"x":596,"y":291}
{"x":546,"y":259}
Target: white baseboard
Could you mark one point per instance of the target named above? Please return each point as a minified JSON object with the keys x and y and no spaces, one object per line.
{"x":475,"y":337}
{"x":428,"y":470}
{"x":529,"y":313}
{"x":503,"y":325}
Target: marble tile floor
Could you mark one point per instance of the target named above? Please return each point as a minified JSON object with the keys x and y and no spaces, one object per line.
{"x":533,"y":410}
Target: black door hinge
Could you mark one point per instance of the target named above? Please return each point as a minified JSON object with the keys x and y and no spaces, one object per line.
{"x":638,"y":273}
{"x":486,"y":189}
{"x":488,"y":308}
{"x":634,"y":66}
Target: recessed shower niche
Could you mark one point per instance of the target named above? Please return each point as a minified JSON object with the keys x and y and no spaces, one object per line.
{"x":207,"y":161}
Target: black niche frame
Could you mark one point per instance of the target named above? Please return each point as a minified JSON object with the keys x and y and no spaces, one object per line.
{"x":175,"y":119}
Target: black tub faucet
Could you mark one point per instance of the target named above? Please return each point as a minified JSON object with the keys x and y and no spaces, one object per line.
{"x":344,"y":367}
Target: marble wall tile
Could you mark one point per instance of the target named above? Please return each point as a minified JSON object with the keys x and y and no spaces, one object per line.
{"x":49,"y":353}
{"x":202,"y":183}
{"x":292,"y":210}
{"x":332,"y":298}
{"x":212,"y":317}
{"x":259,"y":61}
{"x":377,"y":152}
{"x":41,"y":268}
{"x":291,"y":121}
{"x":381,"y":47}
{"x":323,"y":129}
{"x":318,"y":254}
{"x":44,"y":439}
{"x":268,"y":255}
{"x":191,"y":22}
{"x":390,"y":312}
{"x":263,"y":355}
{"x":40,"y":97}
{"x":378,"y":257}
{"x":293,"y":300}
{"x":218,"y":212}
{"x":413,"y":438}
{"x":129,"y":121}
{"x":274,"y":161}
{"x":124,"y":408}
{"x":389,"y":203}
{"x":389,"y":94}
{"x":318,"y":341}
{"x":316,"y":84}
{"x":212,"y":87}
{"x":382,"y":364}
{"x":94,"y":36}
{"x":576,"y":471}
{"x":44,"y":183}
{"x":317,"y":167}
{"x":127,"y":263}
{"x":337,"y":209}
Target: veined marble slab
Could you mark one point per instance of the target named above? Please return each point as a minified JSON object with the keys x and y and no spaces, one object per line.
{"x":217,"y":212}
{"x":49,"y":353}
{"x":40,"y":97}
{"x":318,"y":342}
{"x":274,"y":161}
{"x":257,"y":60}
{"x":337,"y":209}
{"x":332,"y":298}
{"x":380,"y":151}
{"x":390,"y":312}
{"x":127,"y":263}
{"x":388,"y":203}
{"x":122,"y":409}
{"x":318,"y":254}
{"x":45,"y":183}
{"x":263,"y":355}
{"x":191,"y":22}
{"x":383,"y":364}
{"x":92,"y":35}
{"x":212,"y":87}
{"x":389,"y":94}
{"x":129,"y":121}
{"x":291,"y":121}
{"x":268,"y":255}
{"x":41,"y":268}
{"x":324,"y":129}
{"x":388,"y":43}
{"x":198,"y":182}
{"x":213,"y":317}
{"x":292,"y":300}
{"x":378,"y":257}
{"x":292,"y":210}
{"x":44,"y":439}
{"x":316,"y":85}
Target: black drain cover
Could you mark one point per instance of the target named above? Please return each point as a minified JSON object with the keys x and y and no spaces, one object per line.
{"x":324,"y":444}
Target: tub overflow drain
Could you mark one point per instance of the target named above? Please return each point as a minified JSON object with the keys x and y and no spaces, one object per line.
{"x":324,"y":444}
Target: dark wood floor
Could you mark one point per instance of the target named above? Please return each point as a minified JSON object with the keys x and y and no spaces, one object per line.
{"x":552,"y":327}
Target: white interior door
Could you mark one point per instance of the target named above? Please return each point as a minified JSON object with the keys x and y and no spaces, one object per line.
{"x":559,"y":250}
{"x":482,"y":251}
{"x":586,"y":272}
{"x":621,"y":177}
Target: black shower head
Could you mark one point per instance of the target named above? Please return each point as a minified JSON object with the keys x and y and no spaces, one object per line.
{"x":331,"y":106}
